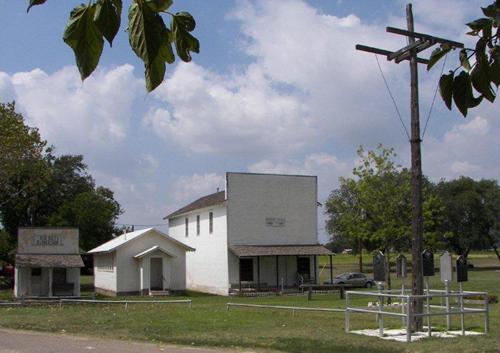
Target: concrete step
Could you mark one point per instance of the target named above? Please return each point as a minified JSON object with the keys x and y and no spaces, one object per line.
{"x":155,"y":293}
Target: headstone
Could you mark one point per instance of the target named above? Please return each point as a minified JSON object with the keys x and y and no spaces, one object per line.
{"x":401,"y":266}
{"x":462,"y":268}
{"x":445,"y":267}
{"x":379,"y":267}
{"x":428,"y":263}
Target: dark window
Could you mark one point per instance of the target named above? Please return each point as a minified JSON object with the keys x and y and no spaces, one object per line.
{"x":210,"y":222}
{"x":187,"y":226}
{"x":198,"y":225}
{"x":246,"y":270}
{"x":37,"y":271}
{"x":59,"y":275}
{"x":303,"y":266}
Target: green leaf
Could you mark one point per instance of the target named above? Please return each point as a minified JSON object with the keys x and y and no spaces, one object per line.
{"x":437,"y":54}
{"x":159,"y":5}
{"x":150,"y":40}
{"x":107,"y":18}
{"x":462,"y":91}
{"x":481,"y":80}
{"x":83,"y":36}
{"x":34,"y":3}
{"x":479,"y":24}
{"x":182,"y":24}
{"x":494,"y":69}
{"x":446,"y":88}
{"x":464,"y":60}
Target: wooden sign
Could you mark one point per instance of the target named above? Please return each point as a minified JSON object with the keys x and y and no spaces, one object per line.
{"x":445,"y":267}
{"x":401,"y":266}
{"x":428,"y":263}
{"x":462,"y":268}
{"x":379,"y":267}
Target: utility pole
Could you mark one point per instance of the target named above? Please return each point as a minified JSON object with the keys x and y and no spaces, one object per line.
{"x":417,"y":42}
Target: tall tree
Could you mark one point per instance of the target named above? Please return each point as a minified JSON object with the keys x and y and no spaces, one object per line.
{"x":472,"y":214}
{"x":90,"y":24}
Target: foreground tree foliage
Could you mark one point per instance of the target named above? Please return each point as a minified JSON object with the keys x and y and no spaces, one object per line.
{"x":151,"y":40}
{"x":479,"y":69}
{"x":38,"y":188}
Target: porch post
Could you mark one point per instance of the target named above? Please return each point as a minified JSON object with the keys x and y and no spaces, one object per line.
{"x":315,"y":271}
{"x":50,"y":281}
{"x":239,"y":268}
{"x":277,"y":274}
{"x":331,"y":270}
{"x":258,"y":273}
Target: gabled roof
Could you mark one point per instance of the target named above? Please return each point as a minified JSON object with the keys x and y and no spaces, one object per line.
{"x":203,"y":202}
{"x":115,"y":243}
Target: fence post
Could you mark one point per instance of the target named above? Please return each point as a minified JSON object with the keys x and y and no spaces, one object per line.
{"x":486,"y":314}
{"x":347,"y":314}
{"x":409,"y":319}
{"x":462,"y":319}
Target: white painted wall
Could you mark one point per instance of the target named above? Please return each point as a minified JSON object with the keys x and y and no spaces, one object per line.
{"x":254,"y":197}
{"x":23,"y":285}
{"x":207,"y":267}
{"x":105,"y":278}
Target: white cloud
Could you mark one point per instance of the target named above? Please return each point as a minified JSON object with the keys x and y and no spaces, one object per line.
{"x":188,"y":188}
{"x":73,"y":115}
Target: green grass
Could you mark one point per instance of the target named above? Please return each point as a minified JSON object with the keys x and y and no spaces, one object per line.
{"x":209,"y":324}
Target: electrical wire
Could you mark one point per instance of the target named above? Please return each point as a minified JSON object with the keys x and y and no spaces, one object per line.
{"x":392,"y":97}
{"x":434,"y":98}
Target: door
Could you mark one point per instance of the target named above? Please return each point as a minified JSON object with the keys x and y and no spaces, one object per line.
{"x":36,"y":281}
{"x":246,"y":269}
{"x":156,"y":274}
{"x":304,"y":268}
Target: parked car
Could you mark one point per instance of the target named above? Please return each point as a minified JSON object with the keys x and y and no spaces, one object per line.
{"x":354,"y":279}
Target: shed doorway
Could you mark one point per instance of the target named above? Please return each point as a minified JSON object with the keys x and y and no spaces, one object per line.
{"x":156,"y":273}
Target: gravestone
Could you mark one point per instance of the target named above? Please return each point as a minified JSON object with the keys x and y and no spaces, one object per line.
{"x":401,"y":266}
{"x":445,"y":267}
{"x":428,"y":263}
{"x":379,"y":267}
{"x":462,"y":268}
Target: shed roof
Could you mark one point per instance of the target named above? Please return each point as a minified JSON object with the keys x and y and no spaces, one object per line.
{"x":113,"y":244}
{"x":23,"y":260}
{"x":283,"y":250}
{"x":203,"y":202}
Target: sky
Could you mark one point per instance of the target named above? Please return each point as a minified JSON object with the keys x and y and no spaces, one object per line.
{"x":278,"y":87}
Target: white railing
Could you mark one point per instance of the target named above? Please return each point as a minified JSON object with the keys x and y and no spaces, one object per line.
{"x":282,"y":307}
{"x":126,"y":302}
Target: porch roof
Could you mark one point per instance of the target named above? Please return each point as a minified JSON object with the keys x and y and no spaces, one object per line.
{"x":279,"y":250}
{"x":48,"y":260}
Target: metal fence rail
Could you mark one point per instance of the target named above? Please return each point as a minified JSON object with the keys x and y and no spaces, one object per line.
{"x":126,"y":302}
{"x":281,"y":307}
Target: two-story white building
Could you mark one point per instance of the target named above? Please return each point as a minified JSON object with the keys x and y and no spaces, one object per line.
{"x":260,"y":233}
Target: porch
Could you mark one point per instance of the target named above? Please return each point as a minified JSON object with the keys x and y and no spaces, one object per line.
{"x":274,"y":268}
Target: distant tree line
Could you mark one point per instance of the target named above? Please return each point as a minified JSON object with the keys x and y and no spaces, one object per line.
{"x":372,"y":209}
{"x":39,"y":188}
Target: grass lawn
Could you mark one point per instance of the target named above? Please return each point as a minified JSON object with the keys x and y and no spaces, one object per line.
{"x":209,"y":324}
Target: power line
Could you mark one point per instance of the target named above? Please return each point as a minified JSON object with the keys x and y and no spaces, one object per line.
{"x":143,"y":225}
{"x":392,"y":97}
{"x":434,"y":98}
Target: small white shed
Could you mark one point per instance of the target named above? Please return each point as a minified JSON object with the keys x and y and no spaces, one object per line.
{"x":141,"y":262}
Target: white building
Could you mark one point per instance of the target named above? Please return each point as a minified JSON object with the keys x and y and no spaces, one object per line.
{"x":140,"y":262}
{"x":47,"y":262}
{"x":261,"y":232}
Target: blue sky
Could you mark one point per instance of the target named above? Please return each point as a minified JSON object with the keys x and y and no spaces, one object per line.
{"x":277,"y":87}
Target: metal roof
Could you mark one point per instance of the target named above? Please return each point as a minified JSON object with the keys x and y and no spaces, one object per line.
{"x":113,"y":244}
{"x":279,"y":250}
{"x":48,"y":260}
{"x":203,"y":202}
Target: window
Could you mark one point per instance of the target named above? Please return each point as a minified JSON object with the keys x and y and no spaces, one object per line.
{"x":186,"y":222}
{"x":210,"y":222}
{"x":104,"y":262}
{"x":304,"y":266}
{"x":198,"y":225}
{"x":36,"y":271}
